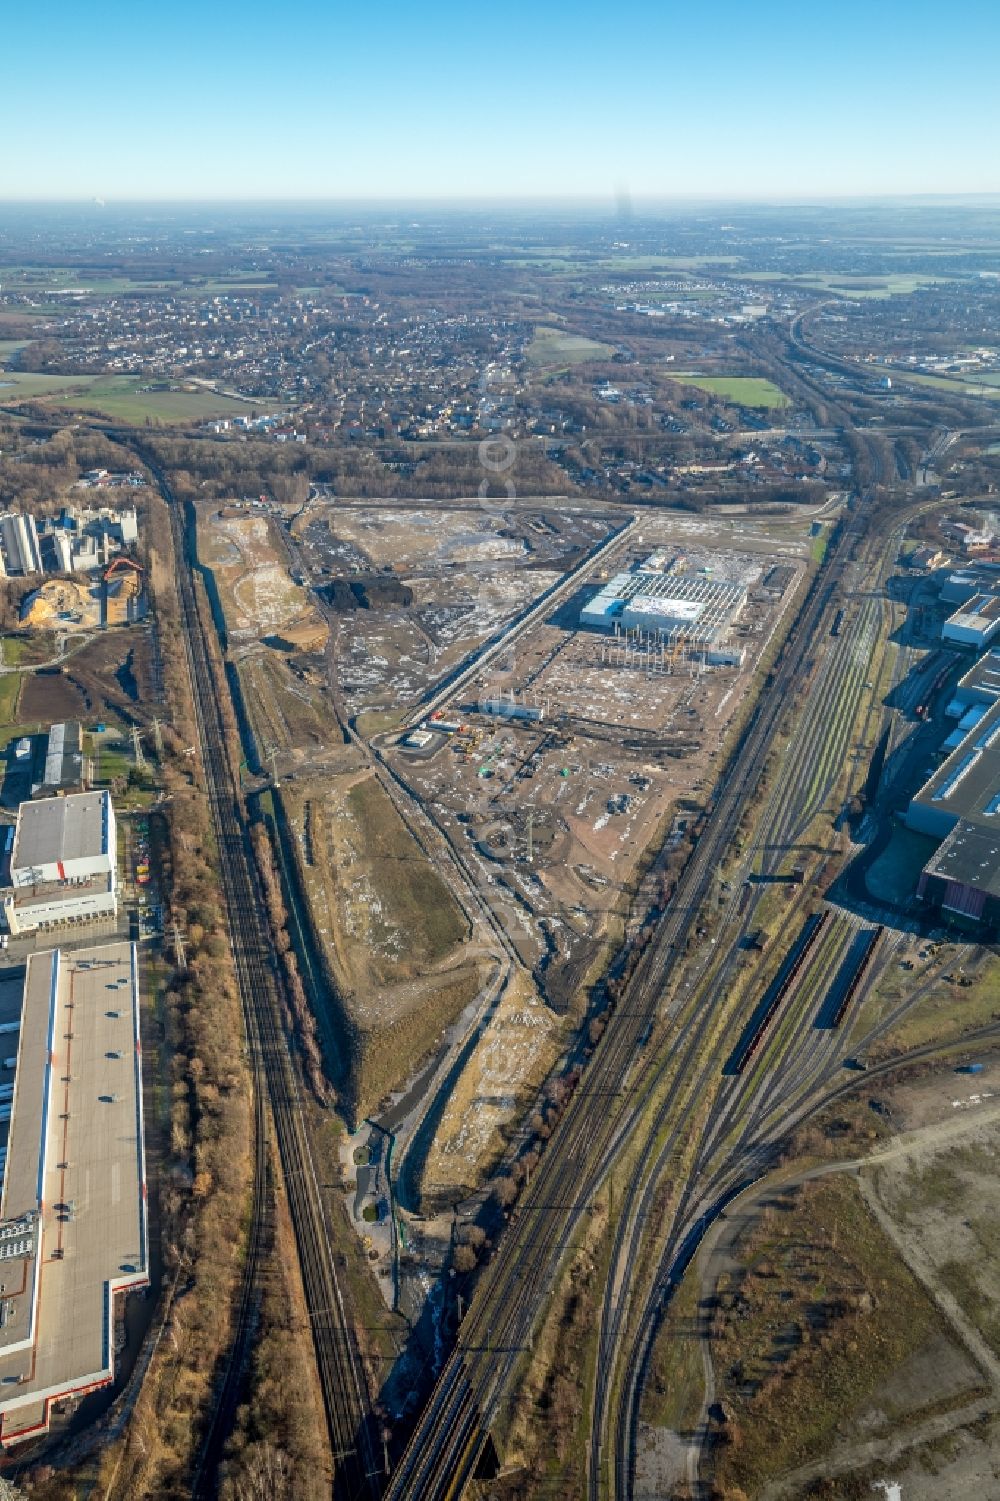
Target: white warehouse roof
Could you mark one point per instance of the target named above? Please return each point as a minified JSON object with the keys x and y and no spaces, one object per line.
{"x":62,"y":829}
{"x":681,"y":610}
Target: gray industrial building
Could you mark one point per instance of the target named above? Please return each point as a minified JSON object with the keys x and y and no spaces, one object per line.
{"x":961,"y":585}
{"x":960,"y":804}
{"x":82,"y":541}
{"x":981,"y":684}
{"x":73,"y":1210}
{"x":19,"y":549}
{"x":966,"y":785}
{"x":67,"y":767}
{"x":63,"y":863}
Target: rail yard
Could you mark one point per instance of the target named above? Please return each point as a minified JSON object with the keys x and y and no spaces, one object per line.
{"x":731,"y":1024}
{"x":545,"y":808}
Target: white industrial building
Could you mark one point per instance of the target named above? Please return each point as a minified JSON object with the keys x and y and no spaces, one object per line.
{"x":606,"y":606}
{"x":19,"y":550}
{"x":502,"y":707}
{"x":667,"y":614}
{"x":63,"y":863}
{"x":975,"y":623}
{"x":73,"y":1193}
{"x":693,"y":608}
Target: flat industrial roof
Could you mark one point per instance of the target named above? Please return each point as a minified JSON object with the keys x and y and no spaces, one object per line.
{"x":969,"y":855}
{"x":980,"y":609}
{"x":60,"y":828}
{"x":65,"y":762}
{"x":42,"y":892}
{"x":76,"y":1162}
{"x":984,"y":675}
{"x":666,"y":608}
{"x":966,"y":787}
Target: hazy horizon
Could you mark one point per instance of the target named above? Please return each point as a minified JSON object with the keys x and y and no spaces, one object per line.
{"x":238,"y":102}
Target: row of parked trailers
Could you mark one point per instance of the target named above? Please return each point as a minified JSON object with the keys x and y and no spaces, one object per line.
{"x":785,"y":980}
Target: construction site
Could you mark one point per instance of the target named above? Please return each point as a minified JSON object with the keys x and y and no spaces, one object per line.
{"x":597,"y":727}
{"x":537,"y":703}
{"x":414,"y":591}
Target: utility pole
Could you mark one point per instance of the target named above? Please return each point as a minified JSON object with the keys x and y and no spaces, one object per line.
{"x":180,"y":957}
{"x":140,"y":759}
{"x":531,"y":826}
{"x":158,"y":738}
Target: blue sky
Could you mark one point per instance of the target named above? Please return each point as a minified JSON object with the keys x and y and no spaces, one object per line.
{"x":443,"y":99}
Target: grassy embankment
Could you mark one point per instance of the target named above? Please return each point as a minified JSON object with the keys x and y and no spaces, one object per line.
{"x":28,"y":651}
{"x":390,"y":932}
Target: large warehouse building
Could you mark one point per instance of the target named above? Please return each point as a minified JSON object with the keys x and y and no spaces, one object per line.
{"x":960,"y":804}
{"x":974,"y":623}
{"x":73,"y":1221}
{"x":692,"y":608}
{"x":63,"y":862}
{"x":981,"y":684}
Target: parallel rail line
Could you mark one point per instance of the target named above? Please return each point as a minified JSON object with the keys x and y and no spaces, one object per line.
{"x":434,"y":1466}
{"x":276,"y":1085}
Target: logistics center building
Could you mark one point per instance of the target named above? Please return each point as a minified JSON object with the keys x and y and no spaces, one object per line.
{"x":960,"y":804}
{"x":62,"y":862}
{"x":73,"y":1206}
{"x":693,"y":608}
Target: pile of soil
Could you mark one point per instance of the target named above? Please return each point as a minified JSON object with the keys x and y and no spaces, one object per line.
{"x":374,"y":591}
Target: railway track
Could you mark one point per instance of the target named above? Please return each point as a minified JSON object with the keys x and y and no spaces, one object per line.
{"x":600,"y":1117}
{"x":808,"y":772}
{"x":277,"y":1091}
{"x":751,"y":1157}
{"x":720,"y":1169}
{"x":806,"y":775}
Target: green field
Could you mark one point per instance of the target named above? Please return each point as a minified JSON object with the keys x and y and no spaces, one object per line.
{"x":11,"y":346}
{"x":119,"y":398}
{"x":24,"y":385}
{"x":958,"y":385}
{"x":555,"y":348}
{"x":111,"y":761}
{"x":63,"y":280}
{"x":843,"y":285}
{"x":27,"y":651}
{"x":220,"y":288}
{"x":723,"y":263}
{"x":10,"y":692}
{"x":741,"y":390}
